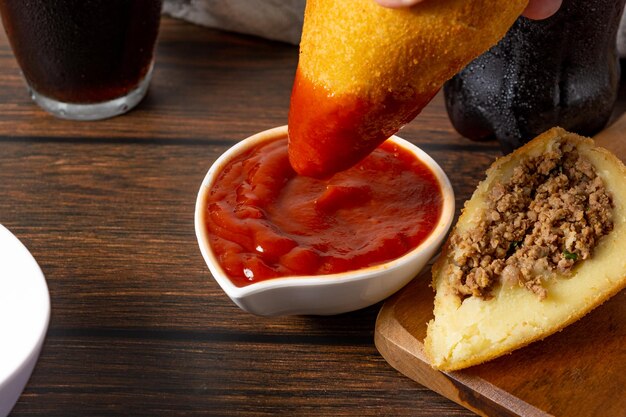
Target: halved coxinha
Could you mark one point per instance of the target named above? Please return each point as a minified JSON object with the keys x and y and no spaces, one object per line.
{"x":541,"y":243}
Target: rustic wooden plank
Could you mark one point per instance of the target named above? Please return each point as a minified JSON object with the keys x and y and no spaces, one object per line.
{"x":85,"y":375}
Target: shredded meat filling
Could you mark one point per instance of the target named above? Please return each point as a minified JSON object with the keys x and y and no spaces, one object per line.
{"x":548,"y":217}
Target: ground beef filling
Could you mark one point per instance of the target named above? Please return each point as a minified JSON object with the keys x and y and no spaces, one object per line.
{"x":548,"y":217}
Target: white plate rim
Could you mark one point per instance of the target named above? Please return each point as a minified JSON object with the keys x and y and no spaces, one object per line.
{"x":25,"y":265}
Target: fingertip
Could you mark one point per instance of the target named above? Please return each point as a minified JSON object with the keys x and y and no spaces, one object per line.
{"x":541,"y":9}
{"x":395,"y":4}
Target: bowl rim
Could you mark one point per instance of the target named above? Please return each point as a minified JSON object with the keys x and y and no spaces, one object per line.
{"x":435,"y":237}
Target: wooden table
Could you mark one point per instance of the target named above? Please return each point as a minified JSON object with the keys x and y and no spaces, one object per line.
{"x":138,"y":325}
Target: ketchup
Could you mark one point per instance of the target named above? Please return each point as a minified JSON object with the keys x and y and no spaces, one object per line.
{"x":329,"y":133}
{"x":265,"y":221}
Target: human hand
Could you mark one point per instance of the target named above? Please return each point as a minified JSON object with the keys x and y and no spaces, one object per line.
{"x":536,"y":9}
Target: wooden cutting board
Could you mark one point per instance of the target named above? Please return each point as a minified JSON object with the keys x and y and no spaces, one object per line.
{"x":578,"y":372}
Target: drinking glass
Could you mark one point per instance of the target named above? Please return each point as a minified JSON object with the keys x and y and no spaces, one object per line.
{"x":84,"y":59}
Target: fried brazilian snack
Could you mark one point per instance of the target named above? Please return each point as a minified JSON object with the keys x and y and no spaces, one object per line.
{"x":365,"y":70}
{"x":561,"y":255}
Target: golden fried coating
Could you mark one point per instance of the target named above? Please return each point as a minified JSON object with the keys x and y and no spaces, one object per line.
{"x":366,"y":70}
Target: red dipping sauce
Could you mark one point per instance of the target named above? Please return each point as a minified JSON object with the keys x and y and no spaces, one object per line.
{"x":265,"y":221}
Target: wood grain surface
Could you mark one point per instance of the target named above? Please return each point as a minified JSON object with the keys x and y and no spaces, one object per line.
{"x":138,"y":325}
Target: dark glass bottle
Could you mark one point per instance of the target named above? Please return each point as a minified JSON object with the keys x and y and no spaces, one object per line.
{"x":562,"y":71}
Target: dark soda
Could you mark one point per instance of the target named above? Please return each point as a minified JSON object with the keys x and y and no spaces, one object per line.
{"x":562,"y":71}
{"x":82,"y":51}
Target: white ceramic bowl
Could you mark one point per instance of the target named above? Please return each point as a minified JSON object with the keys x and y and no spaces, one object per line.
{"x":326,"y":294}
{"x":24,"y":316}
